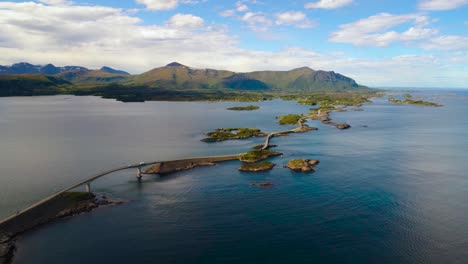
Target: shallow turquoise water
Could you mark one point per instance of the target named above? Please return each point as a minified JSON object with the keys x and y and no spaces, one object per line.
{"x":392,"y":189}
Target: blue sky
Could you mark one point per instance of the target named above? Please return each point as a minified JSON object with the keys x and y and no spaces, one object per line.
{"x":421,"y":43}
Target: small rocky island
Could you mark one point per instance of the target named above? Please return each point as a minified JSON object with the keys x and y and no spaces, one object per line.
{"x":222,"y":134}
{"x":244,"y":108}
{"x":323,"y":114}
{"x":303,"y":165}
{"x":257,"y":167}
{"x":258,"y":155}
{"x":408,"y":99}
{"x":290,"y":119}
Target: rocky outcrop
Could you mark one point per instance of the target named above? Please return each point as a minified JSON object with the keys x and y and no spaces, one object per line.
{"x":342,"y":126}
{"x":187,"y":164}
{"x":257,"y":167}
{"x":303,"y":165}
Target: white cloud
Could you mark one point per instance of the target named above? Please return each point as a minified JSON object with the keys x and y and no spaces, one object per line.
{"x":293,"y":18}
{"x":56,"y":2}
{"x":228,"y":13}
{"x":450,"y":42}
{"x":440,"y":5}
{"x":61,"y":35}
{"x":374,"y":30}
{"x":241,"y":7}
{"x":257,"y":21}
{"x":159,"y":4}
{"x":328,"y":4}
{"x":185,"y":20}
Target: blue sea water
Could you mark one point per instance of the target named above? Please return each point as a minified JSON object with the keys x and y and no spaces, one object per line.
{"x":392,"y":189}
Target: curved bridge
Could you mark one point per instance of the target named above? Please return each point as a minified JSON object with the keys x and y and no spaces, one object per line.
{"x":87,"y":182}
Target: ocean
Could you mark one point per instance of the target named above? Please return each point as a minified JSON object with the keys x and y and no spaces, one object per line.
{"x":392,"y":189}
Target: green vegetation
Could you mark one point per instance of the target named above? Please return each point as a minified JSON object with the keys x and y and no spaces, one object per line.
{"x":244,"y":108}
{"x":260,"y":146}
{"x":297,"y":162}
{"x":290,"y":119}
{"x":408,"y":99}
{"x":31,"y":84}
{"x":261,"y":166}
{"x":334,"y":98}
{"x":222,"y":134}
{"x":258,"y":155}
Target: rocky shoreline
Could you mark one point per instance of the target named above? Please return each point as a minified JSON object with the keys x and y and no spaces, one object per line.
{"x":62,"y":206}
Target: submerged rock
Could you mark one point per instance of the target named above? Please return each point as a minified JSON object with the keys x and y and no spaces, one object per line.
{"x":262,"y":184}
{"x":342,"y":126}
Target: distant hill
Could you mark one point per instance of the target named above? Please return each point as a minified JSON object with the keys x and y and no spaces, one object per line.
{"x":50,"y":69}
{"x":92,"y":76}
{"x":27,"y":68}
{"x":30,"y":84}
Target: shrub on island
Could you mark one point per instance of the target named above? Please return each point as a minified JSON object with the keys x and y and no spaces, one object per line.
{"x":258,"y":155}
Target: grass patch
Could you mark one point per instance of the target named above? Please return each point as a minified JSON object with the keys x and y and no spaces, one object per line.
{"x":297,"y":162}
{"x":258,"y":155}
{"x":244,"y":108}
{"x":290,"y":119}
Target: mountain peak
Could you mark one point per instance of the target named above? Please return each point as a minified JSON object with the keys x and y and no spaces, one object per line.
{"x":175,"y":64}
{"x":111,"y":70}
{"x":305,"y":68}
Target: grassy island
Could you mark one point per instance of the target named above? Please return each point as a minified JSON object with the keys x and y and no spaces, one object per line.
{"x":258,"y":155}
{"x":290,"y":119}
{"x":334,"y":98}
{"x":222,"y":134}
{"x":408,"y":99}
{"x":303,"y":165}
{"x":244,"y":108}
{"x":255,"y":167}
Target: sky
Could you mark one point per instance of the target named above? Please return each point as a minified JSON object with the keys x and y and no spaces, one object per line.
{"x":379,"y":43}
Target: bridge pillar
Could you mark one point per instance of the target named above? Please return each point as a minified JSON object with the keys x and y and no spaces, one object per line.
{"x":88,"y":187}
{"x":139,"y":173}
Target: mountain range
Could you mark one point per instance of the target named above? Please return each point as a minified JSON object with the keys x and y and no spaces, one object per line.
{"x":48,"y":69}
{"x":172,"y":77}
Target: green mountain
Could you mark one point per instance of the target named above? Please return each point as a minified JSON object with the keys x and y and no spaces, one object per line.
{"x":178,"y":76}
{"x":304,"y":80}
{"x":181,"y":77}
